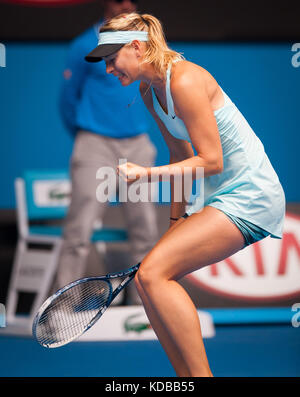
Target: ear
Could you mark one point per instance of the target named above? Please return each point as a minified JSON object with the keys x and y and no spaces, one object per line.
{"x":136,"y":44}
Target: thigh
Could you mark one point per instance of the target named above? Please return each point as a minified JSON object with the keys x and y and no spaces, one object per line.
{"x":91,"y":153}
{"x":84,"y":207}
{"x":139,"y":207}
{"x":141,"y":220}
{"x":90,"y":148}
{"x":202,"y":239}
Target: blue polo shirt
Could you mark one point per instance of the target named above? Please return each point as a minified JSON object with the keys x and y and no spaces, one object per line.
{"x":95,"y":101}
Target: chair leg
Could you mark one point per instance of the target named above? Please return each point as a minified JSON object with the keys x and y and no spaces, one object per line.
{"x":42,"y":264}
{"x":12,"y":296}
{"x":47,"y":280}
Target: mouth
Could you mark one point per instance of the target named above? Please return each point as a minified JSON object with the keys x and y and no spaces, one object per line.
{"x":120,"y":76}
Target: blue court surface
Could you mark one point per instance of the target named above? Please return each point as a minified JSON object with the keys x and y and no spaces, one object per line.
{"x":235,"y":351}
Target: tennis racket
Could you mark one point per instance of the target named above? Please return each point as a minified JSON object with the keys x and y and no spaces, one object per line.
{"x":75,"y":308}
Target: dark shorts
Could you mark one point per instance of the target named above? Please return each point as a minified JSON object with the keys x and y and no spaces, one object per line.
{"x":251,"y":232}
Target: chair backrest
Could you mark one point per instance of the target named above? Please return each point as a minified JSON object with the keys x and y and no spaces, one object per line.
{"x":44,"y":195}
{"x":41,"y":195}
{"x":47,"y":193}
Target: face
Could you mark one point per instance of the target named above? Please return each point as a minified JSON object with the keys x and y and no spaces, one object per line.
{"x":116,"y":7}
{"x":124,"y":64}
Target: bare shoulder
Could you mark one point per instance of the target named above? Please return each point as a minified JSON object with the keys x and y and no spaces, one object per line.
{"x":189,"y":78}
{"x":188,"y":75}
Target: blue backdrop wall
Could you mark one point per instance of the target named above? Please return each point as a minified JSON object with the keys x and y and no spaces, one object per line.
{"x":259,"y":78}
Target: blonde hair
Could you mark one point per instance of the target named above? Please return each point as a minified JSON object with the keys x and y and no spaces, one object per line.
{"x":157,"y":52}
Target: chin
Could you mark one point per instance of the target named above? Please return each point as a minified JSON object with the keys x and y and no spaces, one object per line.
{"x":126,"y":82}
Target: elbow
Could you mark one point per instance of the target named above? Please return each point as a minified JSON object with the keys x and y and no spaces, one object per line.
{"x":213,"y":166}
{"x":218,"y":167}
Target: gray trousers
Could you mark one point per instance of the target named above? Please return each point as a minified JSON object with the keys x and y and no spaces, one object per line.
{"x":92,"y":151}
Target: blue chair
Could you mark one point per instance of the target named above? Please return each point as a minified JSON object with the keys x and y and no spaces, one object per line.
{"x":42,"y":196}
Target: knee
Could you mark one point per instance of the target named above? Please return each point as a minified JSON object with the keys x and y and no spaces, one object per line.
{"x":144,"y":277}
{"x":151,"y":272}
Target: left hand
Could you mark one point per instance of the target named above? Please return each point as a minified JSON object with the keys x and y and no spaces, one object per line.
{"x":131,"y":172}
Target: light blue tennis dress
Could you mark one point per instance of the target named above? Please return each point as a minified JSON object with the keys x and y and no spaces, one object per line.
{"x":248,"y":189}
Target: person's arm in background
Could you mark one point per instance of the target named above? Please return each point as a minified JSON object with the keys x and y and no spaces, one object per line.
{"x":73,"y":80}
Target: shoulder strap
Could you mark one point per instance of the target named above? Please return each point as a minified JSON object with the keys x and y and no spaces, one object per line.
{"x":170,"y":103}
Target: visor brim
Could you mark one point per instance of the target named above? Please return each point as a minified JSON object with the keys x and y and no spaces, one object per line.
{"x":101,"y":51}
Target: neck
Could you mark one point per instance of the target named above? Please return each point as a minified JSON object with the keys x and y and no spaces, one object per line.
{"x":151,"y":77}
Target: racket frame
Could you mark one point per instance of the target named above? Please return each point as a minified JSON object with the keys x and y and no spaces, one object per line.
{"x":128,"y":274}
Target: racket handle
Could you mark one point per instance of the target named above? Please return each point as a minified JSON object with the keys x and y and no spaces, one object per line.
{"x":124,"y":273}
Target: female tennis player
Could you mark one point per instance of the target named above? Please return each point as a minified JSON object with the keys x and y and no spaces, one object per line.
{"x":243,"y":198}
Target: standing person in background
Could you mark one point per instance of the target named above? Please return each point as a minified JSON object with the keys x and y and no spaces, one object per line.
{"x":109,"y":123}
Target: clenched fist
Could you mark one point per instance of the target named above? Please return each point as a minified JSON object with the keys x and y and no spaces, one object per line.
{"x":132,"y":172}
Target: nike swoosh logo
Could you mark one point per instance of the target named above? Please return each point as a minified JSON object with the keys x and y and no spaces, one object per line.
{"x":173,"y":117}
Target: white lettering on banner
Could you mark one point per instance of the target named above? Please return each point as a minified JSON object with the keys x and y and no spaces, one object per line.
{"x":268,"y":269}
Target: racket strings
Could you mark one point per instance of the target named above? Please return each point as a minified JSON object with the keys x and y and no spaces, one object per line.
{"x":70,"y":313}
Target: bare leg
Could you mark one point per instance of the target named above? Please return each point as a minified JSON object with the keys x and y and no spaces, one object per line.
{"x":170,"y":348}
{"x":169,"y":344}
{"x":202,"y":239}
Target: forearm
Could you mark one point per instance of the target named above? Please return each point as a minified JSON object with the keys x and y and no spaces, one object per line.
{"x":180,"y":193}
{"x":195,"y":166}
{"x":181,"y":175}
